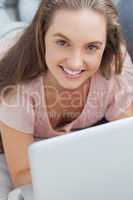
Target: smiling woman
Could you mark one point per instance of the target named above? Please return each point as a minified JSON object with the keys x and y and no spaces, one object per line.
{"x":66,"y":71}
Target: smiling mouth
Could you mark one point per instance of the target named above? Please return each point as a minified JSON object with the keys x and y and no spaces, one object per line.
{"x":72,"y":72}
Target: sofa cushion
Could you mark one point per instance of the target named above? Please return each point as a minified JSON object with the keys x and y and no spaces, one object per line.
{"x":10,"y":2}
{"x":125,"y":9}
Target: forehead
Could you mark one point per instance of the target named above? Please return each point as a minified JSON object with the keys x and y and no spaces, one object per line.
{"x":84,"y":23}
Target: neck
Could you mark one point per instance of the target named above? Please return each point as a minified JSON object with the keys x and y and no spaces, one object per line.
{"x":51,"y":83}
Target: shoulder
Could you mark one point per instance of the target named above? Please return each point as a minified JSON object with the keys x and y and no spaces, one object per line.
{"x":124,"y":81}
{"x":33,"y":90}
{"x":125,"y":78}
{"x":101,"y":83}
{"x":17,"y":110}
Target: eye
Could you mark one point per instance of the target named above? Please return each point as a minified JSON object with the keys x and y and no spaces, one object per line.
{"x":92,"y":47}
{"x":62,"y":43}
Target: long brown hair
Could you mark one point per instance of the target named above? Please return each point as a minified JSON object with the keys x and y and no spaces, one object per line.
{"x":26,"y":59}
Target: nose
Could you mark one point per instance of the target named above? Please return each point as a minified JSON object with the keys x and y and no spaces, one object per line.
{"x":75,"y":60}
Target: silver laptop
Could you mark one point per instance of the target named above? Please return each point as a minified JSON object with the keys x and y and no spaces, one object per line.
{"x":92,"y":164}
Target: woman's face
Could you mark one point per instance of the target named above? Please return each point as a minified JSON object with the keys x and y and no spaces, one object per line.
{"x":75,"y":42}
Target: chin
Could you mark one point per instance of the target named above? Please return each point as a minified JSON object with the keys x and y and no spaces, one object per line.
{"x":71,"y":86}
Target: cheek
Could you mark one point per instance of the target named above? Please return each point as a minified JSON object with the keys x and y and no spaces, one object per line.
{"x":51,"y":56}
{"x":94,"y":61}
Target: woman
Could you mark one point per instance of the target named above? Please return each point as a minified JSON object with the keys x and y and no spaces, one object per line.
{"x":64,"y":72}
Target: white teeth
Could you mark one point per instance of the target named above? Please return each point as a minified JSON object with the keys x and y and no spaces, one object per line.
{"x":72,"y":72}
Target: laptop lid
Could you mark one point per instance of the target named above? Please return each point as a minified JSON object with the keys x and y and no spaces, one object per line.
{"x":94,"y":163}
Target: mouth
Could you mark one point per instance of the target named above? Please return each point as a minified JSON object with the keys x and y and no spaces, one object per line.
{"x":72,"y":73}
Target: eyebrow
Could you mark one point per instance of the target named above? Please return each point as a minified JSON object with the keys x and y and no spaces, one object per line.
{"x":61,"y":35}
{"x":66,"y":38}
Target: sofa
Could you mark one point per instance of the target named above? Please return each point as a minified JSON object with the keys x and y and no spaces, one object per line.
{"x":125,"y":9}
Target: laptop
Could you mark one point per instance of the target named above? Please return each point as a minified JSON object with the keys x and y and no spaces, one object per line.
{"x":91,"y":164}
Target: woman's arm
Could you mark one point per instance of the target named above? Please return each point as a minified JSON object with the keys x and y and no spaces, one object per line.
{"x":16,"y":145}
